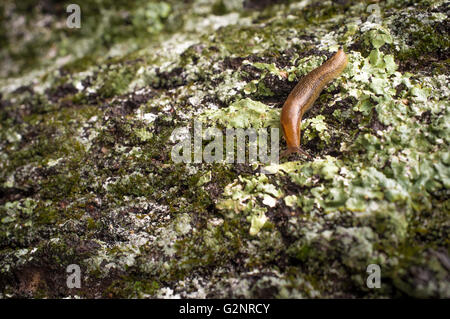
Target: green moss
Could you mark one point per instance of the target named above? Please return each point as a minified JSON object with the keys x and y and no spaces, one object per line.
{"x":86,"y":177}
{"x":426,"y":40}
{"x":129,"y":287}
{"x":79,"y":65}
{"x":116,"y":82}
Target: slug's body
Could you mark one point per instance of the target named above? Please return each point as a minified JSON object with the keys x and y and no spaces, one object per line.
{"x":303,"y":96}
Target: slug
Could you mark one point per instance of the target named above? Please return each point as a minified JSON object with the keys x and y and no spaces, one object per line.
{"x":302,"y":97}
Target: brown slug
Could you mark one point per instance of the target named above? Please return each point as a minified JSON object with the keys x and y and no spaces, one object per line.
{"x":302,"y":97}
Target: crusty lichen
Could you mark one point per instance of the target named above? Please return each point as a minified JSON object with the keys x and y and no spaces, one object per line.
{"x":85,"y":143}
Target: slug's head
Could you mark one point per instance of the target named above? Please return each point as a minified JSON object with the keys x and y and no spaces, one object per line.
{"x":339,"y":60}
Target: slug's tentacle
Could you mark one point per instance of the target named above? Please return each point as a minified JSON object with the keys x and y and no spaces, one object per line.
{"x":303,"y":97}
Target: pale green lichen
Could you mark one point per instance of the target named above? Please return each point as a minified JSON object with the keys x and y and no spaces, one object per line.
{"x":86,"y":127}
{"x":244,"y":113}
